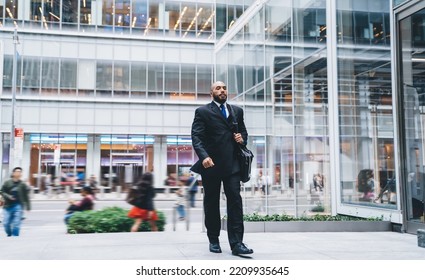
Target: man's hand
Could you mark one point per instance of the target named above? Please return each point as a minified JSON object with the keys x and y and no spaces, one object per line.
{"x":238,"y":138}
{"x":207,"y":162}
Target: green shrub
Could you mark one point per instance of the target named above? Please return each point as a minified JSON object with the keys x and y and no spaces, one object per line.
{"x":318,"y":208}
{"x":110,"y":219}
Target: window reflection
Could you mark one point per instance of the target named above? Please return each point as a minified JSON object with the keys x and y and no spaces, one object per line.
{"x":104,"y":79}
{"x":182,"y":19}
{"x":140,"y":15}
{"x":52,"y":11}
{"x":86,"y":12}
{"x":412,"y":89}
{"x":36,"y":11}
{"x":70,"y":11}
{"x":121,"y":79}
{"x":155,"y":21}
{"x":365,"y":104}
{"x":278,"y":21}
{"x":108,"y":12}
{"x":138,"y":80}
{"x":11,"y":11}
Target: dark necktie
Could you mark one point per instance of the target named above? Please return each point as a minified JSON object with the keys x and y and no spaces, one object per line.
{"x":223,"y":111}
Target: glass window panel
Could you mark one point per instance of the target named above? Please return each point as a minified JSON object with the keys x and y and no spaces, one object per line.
{"x":104,"y":78}
{"x":31,"y":75}
{"x":172,"y":9}
{"x":52,"y":11}
{"x":138,"y":80}
{"x":108,"y":12}
{"x":220,"y":20}
{"x":121,"y":79}
{"x":345,"y":27}
{"x":88,"y":15}
{"x":377,"y":27}
{"x":12,"y":9}
{"x":140,"y":15}
{"x":86,"y":82}
{"x":188,"y":79}
{"x":68,"y":74}
{"x":412,"y":90}
{"x":254,"y":65}
{"x":188,"y":21}
{"x":172,"y":78}
{"x":278,"y":21}
{"x":156,"y":19}
{"x":36,"y":11}
{"x":155,"y":80}
{"x":310,"y":23}
{"x":70,"y":10}
{"x":122,"y":13}
{"x":204,"y":81}
{"x":50,"y":76}
{"x":1,"y":12}
{"x":205,"y":21}
{"x":7,"y":70}
{"x":365,"y":108}
{"x":363,"y":33}
{"x":68,"y":77}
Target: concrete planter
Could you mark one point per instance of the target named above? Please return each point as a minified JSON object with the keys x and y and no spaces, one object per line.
{"x":315,"y":226}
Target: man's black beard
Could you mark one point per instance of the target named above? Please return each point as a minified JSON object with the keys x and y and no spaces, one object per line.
{"x":219,"y":100}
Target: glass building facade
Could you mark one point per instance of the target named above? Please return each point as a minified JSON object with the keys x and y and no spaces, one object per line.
{"x":109,"y":88}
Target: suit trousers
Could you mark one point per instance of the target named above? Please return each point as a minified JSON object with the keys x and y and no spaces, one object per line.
{"x":232,"y":188}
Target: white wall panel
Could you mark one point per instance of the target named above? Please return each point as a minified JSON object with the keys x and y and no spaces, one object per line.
{"x":120,"y":117}
{"x":8,"y":46}
{"x":138,"y":116}
{"x":67,"y":116}
{"x":103,"y":116}
{"x":173,"y":54}
{"x":85,"y":116}
{"x":51,"y":48}
{"x":31,"y":47}
{"x":86,"y":74}
{"x":138,"y":53}
{"x":155,"y":51}
{"x":154,"y":116}
{"x":121,"y":52}
{"x":172,"y":118}
{"x":29,"y":115}
{"x":86,"y":50}
{"x":203,"y":56}
{"x":104,"y":50}
{"x":49,"y":115}
{"x":69,"y":50}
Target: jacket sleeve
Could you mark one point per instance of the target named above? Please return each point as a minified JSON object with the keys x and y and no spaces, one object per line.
{"x":26,"y":198}
{"x":4,"y":191}
{"x":199,"y":135}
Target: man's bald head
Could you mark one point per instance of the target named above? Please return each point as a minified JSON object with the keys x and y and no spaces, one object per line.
{"x":219,"y":92}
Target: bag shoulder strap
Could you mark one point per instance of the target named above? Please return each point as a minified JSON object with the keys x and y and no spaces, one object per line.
{"x":235,"y":121}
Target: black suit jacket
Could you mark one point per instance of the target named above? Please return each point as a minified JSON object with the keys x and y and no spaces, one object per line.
{"x":212,"y":136}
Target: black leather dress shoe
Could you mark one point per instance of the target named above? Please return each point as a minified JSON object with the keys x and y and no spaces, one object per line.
{"x":215,"y":248}
{"x":241,"y":249}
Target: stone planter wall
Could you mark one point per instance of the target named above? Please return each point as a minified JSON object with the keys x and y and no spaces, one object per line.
{"x":315,"y":226}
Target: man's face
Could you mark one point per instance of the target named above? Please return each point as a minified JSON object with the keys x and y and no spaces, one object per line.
{"x":17,"y":174}
{"x":219,"y":92}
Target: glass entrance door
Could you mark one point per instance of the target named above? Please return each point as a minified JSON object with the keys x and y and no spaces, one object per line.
{"x":412,"y":104}
{"x":126,"y":168}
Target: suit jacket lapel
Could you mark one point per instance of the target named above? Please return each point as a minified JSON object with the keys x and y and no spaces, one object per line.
{"x":216,"y":111}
